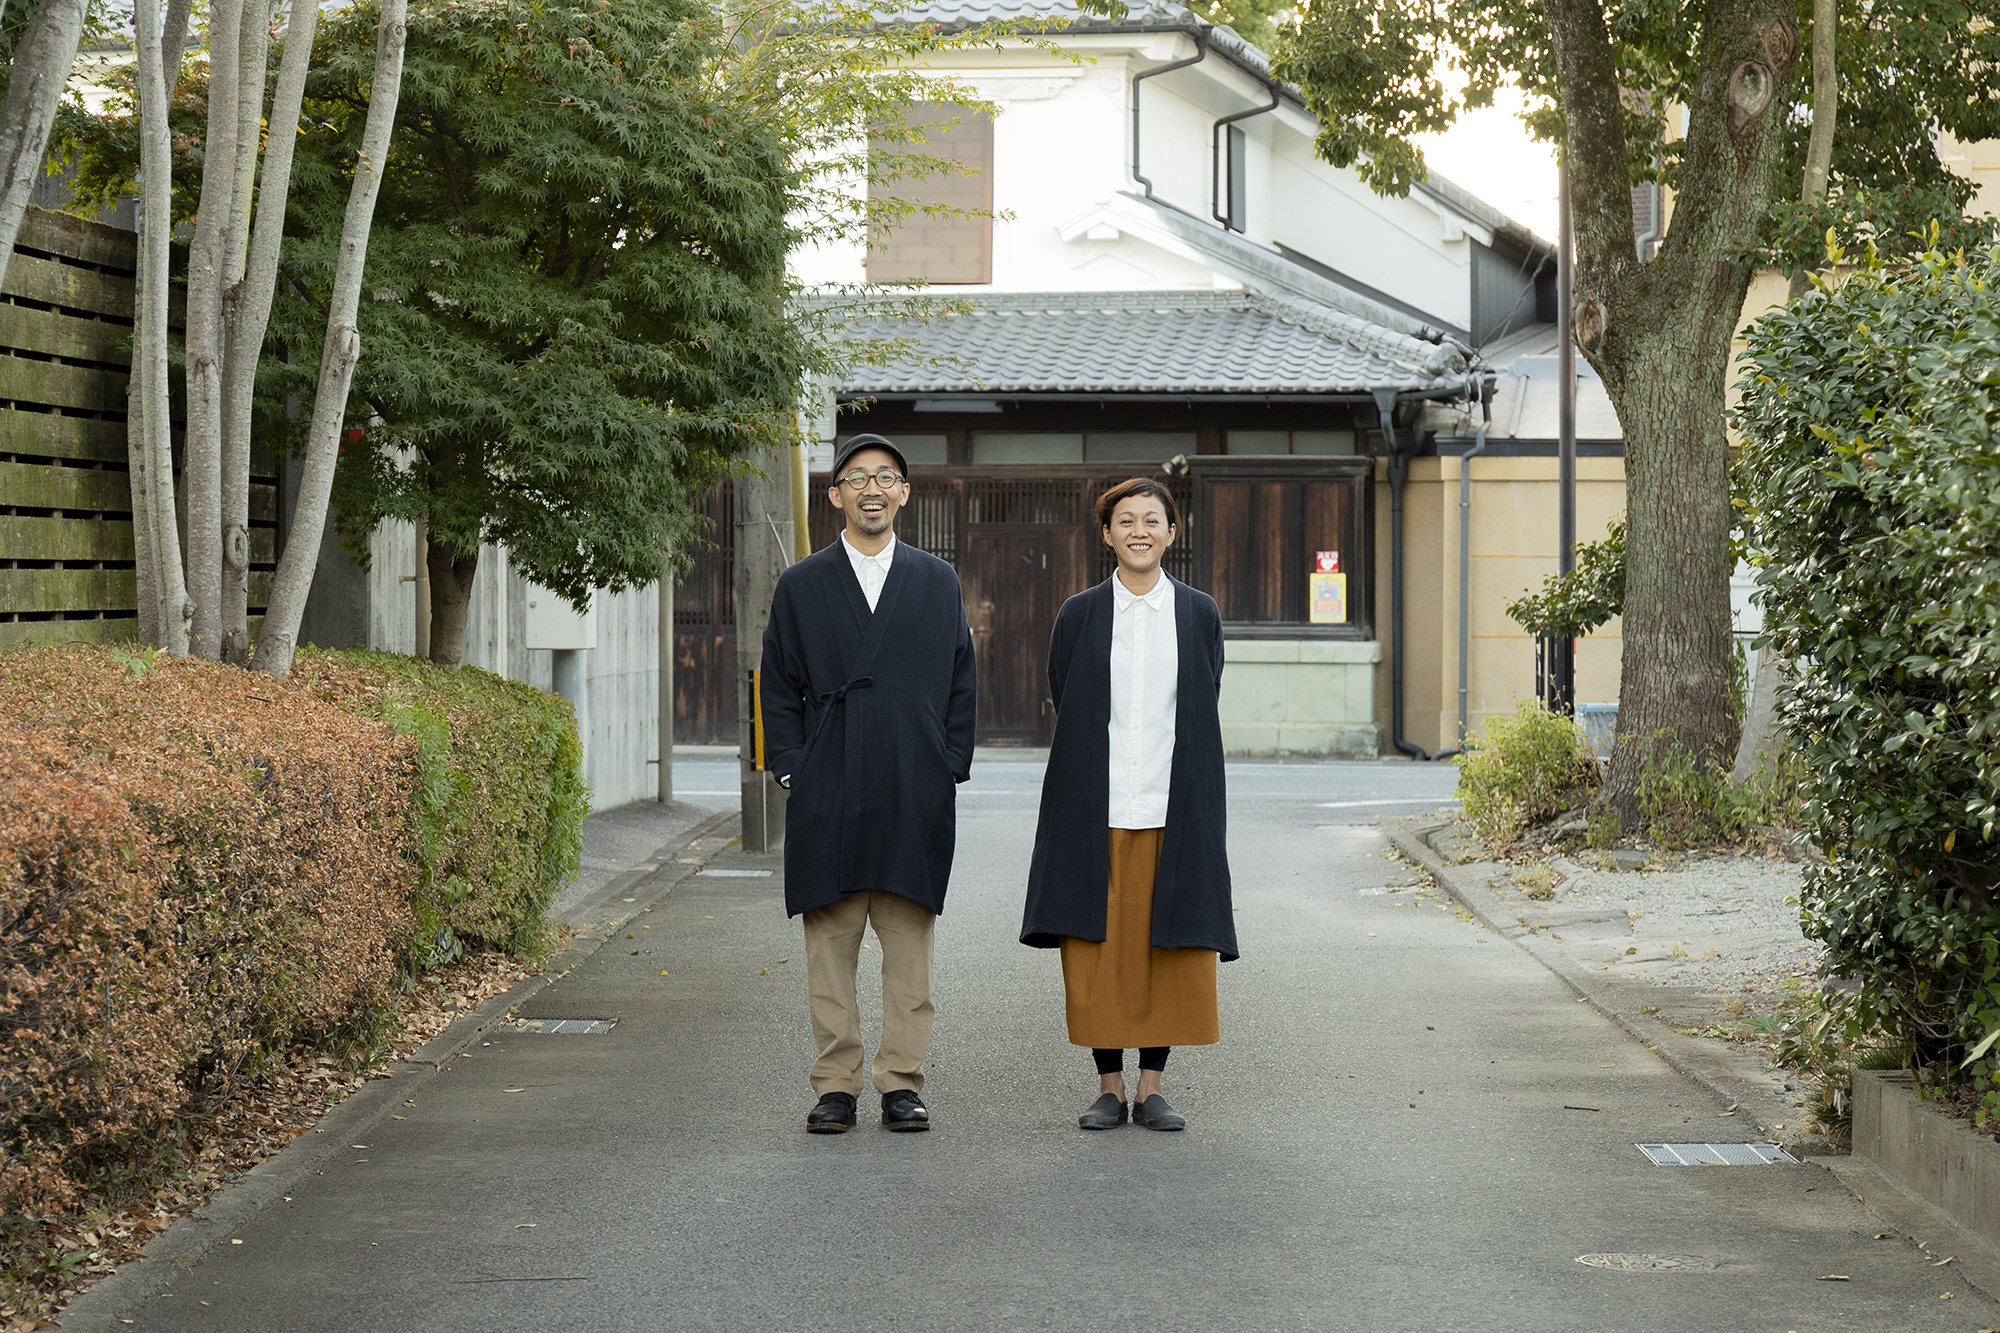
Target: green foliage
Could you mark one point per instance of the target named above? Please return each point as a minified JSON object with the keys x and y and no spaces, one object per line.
{"x":1869,"y":420}
{"x":577,"y":281}
{"x":1378,"y":76}
{"x":1898,"y":218}
{"x":1523,"y":770}
{"x":500,"y":798}
{"x":1573,"y":604}
{"x":1689,"y":802}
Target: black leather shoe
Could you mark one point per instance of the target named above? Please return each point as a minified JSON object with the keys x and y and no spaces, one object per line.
{"x":1107,"y":1112}
{"x":903,"y":1111}
{"x":1154,"y":1113}
{"x":833,"y":1115}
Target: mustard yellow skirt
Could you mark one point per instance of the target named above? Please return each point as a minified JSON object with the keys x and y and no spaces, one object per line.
{"x":1123,"y":993}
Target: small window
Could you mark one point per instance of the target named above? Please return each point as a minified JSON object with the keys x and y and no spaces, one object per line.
{"x":1295,"y":443}
{"x":944,"y":250}
{"x":1011,"y":447}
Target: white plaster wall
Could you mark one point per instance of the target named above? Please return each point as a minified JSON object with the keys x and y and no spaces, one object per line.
{"x":621,"y":675}
{"x":1061,"y":144}
{"x":1397,"y":246}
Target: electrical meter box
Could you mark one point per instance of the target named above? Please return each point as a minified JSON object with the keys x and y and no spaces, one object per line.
{"x":552,"y":622}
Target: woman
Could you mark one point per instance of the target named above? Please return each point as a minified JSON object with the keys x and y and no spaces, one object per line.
{"x":1130,"y":878}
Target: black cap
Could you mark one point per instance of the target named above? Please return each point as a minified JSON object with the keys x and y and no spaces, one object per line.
{"x":856,"y":443}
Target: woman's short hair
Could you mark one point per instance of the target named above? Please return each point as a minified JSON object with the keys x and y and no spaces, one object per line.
{"x":1107,"y":503}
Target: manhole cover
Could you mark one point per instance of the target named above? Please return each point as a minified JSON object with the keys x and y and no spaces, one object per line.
{"x":738,"y":874}
{"x":569,"y":1027}
{"x":1715,"y":1154}
{"x":1646,"y":1263}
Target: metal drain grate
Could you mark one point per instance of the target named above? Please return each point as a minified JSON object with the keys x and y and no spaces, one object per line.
{"x":1647,"y":1263}
{"x":1715,"y":1154}
{"x":569,"y":1027}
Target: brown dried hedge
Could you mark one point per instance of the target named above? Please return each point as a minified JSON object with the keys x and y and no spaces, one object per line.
{"x":198,"y":866}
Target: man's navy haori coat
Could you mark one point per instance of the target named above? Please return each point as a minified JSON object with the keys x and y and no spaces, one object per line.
{"x":1071,"y":872}
{"x":871,"y":714}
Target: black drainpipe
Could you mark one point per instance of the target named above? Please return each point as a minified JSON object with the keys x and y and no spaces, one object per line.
{"x":1399,"y":470}
{"x":1200,"y":35}
{"x":1215,"y":154}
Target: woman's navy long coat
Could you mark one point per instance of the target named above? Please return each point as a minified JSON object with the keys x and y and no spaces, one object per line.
{"x":1070,"y":876}
{"x":874,"y":749}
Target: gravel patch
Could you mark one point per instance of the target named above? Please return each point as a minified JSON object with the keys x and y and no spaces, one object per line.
{"x":1722,"y":922}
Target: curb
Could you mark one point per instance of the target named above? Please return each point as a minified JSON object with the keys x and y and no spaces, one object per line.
{"x":109,"y":1304}
{"x":1688,"y":1056}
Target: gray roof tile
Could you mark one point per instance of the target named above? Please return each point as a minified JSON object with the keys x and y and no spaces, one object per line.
{"x":1152,"y":342}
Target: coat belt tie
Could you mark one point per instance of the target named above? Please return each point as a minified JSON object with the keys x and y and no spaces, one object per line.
{"x":851,"y":779}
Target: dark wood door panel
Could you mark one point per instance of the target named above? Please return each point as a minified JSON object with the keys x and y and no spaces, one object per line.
{"x":1008,"y":576}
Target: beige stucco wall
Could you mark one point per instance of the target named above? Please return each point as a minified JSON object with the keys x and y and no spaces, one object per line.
{"x":1514,"y":504}
{"x":1299,"y":698}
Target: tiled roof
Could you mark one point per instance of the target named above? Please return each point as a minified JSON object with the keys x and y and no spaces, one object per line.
{"x":1152,"y":342}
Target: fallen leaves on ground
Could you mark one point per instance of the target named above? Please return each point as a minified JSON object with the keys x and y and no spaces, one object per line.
{"x":71,"y":1252}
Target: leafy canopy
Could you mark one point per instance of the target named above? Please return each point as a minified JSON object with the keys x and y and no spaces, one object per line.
{"x":1379,"y":74}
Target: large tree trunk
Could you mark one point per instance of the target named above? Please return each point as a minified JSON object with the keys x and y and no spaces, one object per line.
{"x":451,"y":601}
{"x":1762,"y":740}
{"x":252,"y":61}
{"x":165,"y":610}
{"x":1660,"y":334}
{"x":34,"y":89}
{"x":206,"y":256}
{"x":279,"y":639}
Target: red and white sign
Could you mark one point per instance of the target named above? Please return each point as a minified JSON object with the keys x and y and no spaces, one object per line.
{"x":1327,"y":562}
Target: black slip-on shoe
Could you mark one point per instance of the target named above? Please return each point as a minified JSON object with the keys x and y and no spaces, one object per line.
{"x":903,"y":1111}
{"x":1107,"y":1112}
{"x":1154,"y":1113}
{"x":833,"y":1115}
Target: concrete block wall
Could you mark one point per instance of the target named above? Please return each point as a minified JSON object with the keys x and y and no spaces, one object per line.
{"x":1299,"y":698}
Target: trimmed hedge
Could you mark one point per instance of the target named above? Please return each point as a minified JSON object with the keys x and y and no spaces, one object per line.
{"x":200,"y":866}
{"x":501,"y":802}
{"x":1871,"y":420}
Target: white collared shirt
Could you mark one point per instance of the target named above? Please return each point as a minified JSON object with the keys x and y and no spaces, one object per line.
{"x":1145,"y":676}
{"x":872,"y":570}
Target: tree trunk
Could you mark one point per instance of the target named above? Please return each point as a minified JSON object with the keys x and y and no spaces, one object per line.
{"x":451,"y":601}
{"x":279,"y":639}
{"x":1659,"y":334}
{"x":155,"y":531}
{"x":206,"y":254}
{"x":1762,"y":740}
{"x":253,"y":50}
{"x":34,"y":89}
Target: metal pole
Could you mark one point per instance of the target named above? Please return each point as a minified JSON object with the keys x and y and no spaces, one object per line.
{"x":668,"y":647}
{"x":1564,"y":663}
{"x":763,"y":549}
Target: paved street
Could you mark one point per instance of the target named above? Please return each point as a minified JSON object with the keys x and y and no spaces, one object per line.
{"x":1381,"y":1141}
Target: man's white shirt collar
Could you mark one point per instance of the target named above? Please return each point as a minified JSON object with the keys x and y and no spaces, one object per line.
{"x":881,"y":557}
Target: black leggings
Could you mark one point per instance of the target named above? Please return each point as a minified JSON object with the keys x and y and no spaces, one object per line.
{"x":1113,"y":1061}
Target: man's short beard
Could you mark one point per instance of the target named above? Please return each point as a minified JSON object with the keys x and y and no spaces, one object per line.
{"x":880,"y":518}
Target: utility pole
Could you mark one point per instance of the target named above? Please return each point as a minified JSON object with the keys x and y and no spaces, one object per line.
{"x":1559,"y":652}
{"x":764,"y":546}
{"x":666,"y":682}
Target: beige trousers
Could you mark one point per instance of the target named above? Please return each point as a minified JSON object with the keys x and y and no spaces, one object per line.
{"x":833,"y":950}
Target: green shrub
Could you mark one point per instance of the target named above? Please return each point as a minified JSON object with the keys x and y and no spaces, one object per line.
{"x":1869,"y":420}
{"x":1523,"y":770}
{"x":501,"y":798}
{"x":1686,"y":802}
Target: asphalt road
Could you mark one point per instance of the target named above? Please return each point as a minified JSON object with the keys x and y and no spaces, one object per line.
{"x":1385,"y":1139}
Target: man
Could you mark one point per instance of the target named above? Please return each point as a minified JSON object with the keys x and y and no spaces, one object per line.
{"x":868,"y":720}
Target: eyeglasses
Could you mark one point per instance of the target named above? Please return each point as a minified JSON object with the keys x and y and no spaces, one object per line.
{"x":886,"y":478}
